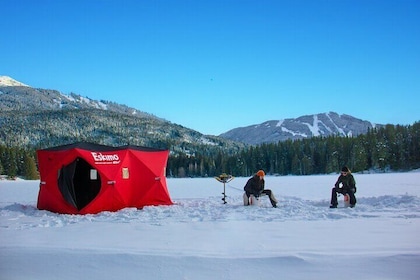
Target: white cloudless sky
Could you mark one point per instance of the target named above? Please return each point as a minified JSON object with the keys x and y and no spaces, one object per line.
{"x":216,"y":65}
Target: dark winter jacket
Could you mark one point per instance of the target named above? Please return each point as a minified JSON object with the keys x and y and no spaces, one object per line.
{"x":349,"y":184}
{"x":254,"y":186}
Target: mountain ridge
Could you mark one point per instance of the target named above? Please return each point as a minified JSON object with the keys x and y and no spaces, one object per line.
{"x":322,"y":124}
{"x":8,"y":81}
{"x":18,"y":97}
{"x":43,"y":118}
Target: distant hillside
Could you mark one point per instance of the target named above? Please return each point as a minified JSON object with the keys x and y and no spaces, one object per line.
{"x":24,"y":98}
{"x":43,"y":118}
{"x":324,"y":124}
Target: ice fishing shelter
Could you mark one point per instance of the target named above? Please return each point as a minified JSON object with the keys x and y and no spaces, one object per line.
{"x":83,"y":178}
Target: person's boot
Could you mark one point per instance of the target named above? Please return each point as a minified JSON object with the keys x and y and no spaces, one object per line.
{"x":333,"y":206}
{"x":246,"y":199}
{"x":273,"y":200}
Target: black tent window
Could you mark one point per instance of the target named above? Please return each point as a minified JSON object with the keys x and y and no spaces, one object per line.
{"x":77,"y":185}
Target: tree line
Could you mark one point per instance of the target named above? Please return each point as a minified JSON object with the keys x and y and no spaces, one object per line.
{"x":392,"y":147}
{"x":18,"y":162}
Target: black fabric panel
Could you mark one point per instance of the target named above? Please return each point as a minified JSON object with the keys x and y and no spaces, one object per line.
{"x":65,"y":183}
{"x":85,"y":188}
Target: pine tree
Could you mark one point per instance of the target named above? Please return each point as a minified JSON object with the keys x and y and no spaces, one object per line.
{"x":30,"y":171}
{"x":11,"y":164}
{"x":359,"y":154}
{"x":1,"y":167}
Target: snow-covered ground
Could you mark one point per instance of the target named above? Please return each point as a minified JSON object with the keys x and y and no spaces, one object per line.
{"x":201,"y":238}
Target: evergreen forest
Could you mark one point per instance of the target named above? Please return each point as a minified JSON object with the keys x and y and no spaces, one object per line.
{"x":389,"y":148}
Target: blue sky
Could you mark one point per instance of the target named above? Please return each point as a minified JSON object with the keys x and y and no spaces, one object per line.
{"x":216,"y":65}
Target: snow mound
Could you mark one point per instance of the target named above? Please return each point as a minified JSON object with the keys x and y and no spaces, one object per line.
{"x":211,"y":210}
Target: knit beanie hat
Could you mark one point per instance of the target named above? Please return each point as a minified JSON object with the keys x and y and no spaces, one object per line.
{"x":345,"y":169}
{"x":260,"y":173}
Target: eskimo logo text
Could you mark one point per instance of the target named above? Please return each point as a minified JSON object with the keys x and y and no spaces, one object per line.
{"x":105,"y":159}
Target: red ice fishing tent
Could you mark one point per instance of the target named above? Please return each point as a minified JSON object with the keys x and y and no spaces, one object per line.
{"x":86,"y":178}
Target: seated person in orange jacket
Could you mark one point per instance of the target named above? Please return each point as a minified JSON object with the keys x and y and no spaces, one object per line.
{"x":255,"y":187}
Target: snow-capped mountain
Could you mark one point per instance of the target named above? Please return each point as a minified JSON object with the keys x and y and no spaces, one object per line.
{"x":24,"y":106}
{"x":323,"y":124}
{"x":7,"y":81}
{"x":44,"y":118}
{"x":22,"y":97}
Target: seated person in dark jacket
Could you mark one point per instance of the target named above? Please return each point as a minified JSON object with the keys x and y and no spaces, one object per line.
{"x":348,"y":186}
{"x":255,"y":187}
